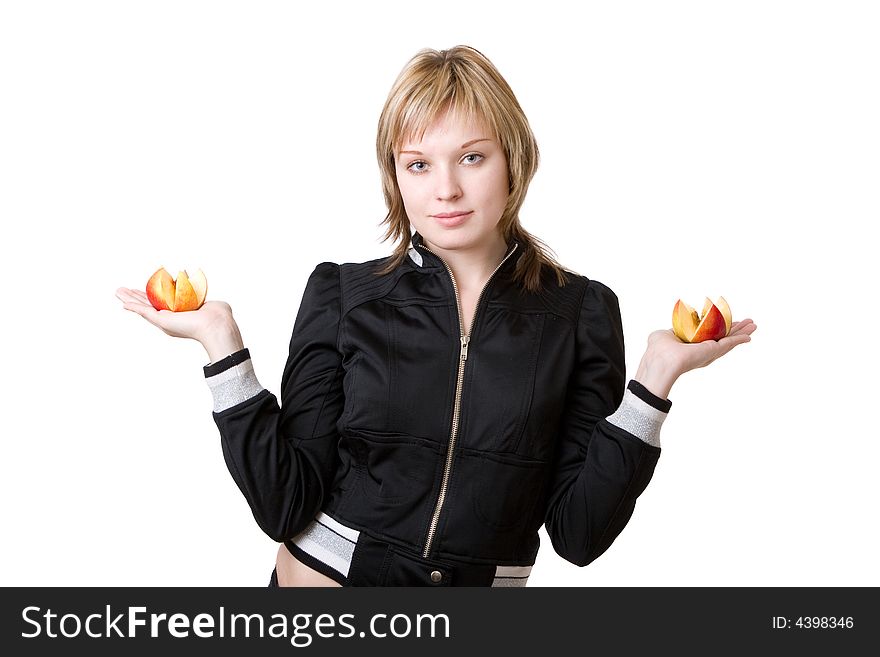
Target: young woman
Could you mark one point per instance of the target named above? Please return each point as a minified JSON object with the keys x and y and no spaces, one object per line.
{"x":441,"y":404}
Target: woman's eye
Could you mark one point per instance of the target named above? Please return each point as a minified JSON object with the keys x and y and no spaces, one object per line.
{"x":421,"y":167}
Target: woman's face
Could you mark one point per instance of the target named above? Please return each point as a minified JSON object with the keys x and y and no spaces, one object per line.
{"x":458,"y":168}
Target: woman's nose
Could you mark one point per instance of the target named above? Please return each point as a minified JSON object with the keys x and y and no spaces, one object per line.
{"x":448,"y":186}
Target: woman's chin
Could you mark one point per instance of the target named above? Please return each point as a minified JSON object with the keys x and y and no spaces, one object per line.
{"x":447,"y":242}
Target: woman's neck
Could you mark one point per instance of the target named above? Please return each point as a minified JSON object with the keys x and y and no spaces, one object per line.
{"x":472,"y":267}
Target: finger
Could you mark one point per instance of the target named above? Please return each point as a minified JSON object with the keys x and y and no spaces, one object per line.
{"x":708,"y":351}
{"x":143,"y":308}
{"x":134,"y":294}
{"x":125,"y":295}
{"x":158,"y":318}
{"x":730,"y":342}
{"x":745,"y":326}
{"x":136,"y":298}
{"x":135,"y":304}
{"x":725,"y":343}
{"x":137,"y":308}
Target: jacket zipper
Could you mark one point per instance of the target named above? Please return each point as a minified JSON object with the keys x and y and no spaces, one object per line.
{"x":465,"y":339}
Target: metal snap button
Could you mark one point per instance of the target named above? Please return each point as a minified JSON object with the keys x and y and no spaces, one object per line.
{"x":436,"y":576}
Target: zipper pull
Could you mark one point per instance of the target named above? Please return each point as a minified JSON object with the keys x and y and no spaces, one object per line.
{"x":464,"y":344}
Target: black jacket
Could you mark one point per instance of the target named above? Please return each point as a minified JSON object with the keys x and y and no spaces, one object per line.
{"x":395,"y":429}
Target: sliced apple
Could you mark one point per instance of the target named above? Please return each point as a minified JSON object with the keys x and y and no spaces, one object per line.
{"x":160,"y":290}
{"x":713,"y":323}
{"x":707,"y":304}
{"x":684,"y":321}
{"x":184,"y":294}
{"x":711,"y":327}
{"x":200,"y":285}
{"x":725,"y":311}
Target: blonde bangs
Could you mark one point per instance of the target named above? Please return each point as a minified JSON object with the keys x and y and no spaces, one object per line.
{"x":424,"y":96}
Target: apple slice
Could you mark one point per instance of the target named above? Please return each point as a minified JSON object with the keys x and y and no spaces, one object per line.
{"x":684,"y":321}
{"x":200,"y":286}
{"x":712,"y":325}
{"x":160,"y":290}
{"x":725,"y":311}
{"x":184,"y":294}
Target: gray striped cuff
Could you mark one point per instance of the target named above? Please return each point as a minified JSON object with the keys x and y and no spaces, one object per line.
{"x":234,"y":385}
{"x":639,"y":418}
{"x":329,"y":541}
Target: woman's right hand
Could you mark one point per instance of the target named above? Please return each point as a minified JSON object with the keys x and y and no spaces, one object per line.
{"x":212,"y":325}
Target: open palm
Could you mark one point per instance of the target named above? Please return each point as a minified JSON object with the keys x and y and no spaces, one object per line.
{"x":186,"y":324}
{"x":684,"y":356}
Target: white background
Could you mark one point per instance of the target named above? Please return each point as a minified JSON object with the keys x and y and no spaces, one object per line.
{"x":688,"y":149}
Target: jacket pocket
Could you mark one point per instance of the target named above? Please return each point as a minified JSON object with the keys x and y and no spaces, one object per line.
{"x":494,"y":506}
{"x":386,"y":471}
{"x":507,"y":493}
{"x":393,"y":482}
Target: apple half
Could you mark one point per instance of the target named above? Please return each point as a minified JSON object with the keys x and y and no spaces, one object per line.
{"x":711,"y":324}
{"x":186,"y":293}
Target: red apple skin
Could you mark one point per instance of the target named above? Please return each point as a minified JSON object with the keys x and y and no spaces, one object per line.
{"x":712,"y":327}
{"x":160,"y":290}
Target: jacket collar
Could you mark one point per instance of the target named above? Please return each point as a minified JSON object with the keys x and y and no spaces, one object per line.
{"x":422,"y":258}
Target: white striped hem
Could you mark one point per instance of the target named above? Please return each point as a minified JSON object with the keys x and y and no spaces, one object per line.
{"x":333,"y":544}
{"x":329,"y":541}
{"x":508,"y":576}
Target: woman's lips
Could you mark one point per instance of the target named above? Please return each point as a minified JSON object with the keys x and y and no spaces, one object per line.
{"x":455,"y":220}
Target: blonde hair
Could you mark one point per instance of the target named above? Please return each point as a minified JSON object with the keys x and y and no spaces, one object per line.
{"x":461,"y":80}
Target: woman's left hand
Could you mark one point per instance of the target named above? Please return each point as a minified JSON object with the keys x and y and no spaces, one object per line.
{"x":667,"y":357}
{"x":682,"y":357}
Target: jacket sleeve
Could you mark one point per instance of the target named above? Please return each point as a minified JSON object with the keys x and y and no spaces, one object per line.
{"x":283,"y":458}
{"x":609,"y":438}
